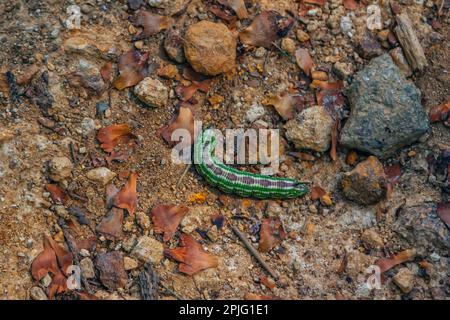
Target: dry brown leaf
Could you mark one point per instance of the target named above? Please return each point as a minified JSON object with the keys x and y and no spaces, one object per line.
{"x":393,"y":173}
{"x":304,"y":60}
{"x":440,"y":112}
{"x":350,"y":4}
{"x":191,"y":255}
{"x":187,"y":92}
{"x":272,"y":232}
{"x":106,"y":72}
{"x":114,"y":135}
{"x":317,"y":192}
{"x":56,"y":193}
{"x":150,"y":22}
{"x":184,"y":120}
{"x":443,"y":212}
{"x":63,"y":256}
{"x":58,"y":285}
{"x":45,"y":262}
{"x":126,"y":198}
{"x":263,"y":30}
{"x":132,"y":69}
{"x":166,"y":219}
{"x":386,"y":264}
{"x":284,"y":105}
{"x":111,"y":224}
{"x":222,"y":14}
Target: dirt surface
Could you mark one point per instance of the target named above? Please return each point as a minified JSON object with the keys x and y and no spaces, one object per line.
{"x":323,"y":256}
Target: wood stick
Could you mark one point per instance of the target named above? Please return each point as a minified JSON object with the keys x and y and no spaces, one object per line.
{"x":183,"y":174}
{"x":253,"y":251}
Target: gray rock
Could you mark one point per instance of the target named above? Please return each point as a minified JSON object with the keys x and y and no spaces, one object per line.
{"x":386,"y":111}
{"x":421,"y":227}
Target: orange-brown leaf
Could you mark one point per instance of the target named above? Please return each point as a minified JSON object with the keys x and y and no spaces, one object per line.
{"x":114,"y":135}
{"x":187,"y":92}
{"x":386,"y":264}
{"x":191,"y":255}
{"x":58,"y":285}
{"x":304,"y":60}
{"x":45,"y":262}
{"x":184,"y":120}
{"x":111,"y":224}
{"x":284,"y":105}
{"x":132,"y":69}
{"x":317,"y":192}
{"x":272,"y":232}
{"x":126,"y":198}
{"x":106,"y":72}
{"x":150,"y":22}
{"x":263,"y":31}
{"x":440,"y":112}
{"x":63,"y":256}
{"x":166,"y":219}
{"x":350,"y":4}
{"x":56,"y":193}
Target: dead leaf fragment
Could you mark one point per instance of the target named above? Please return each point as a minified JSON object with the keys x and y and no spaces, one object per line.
{"x":132,"y":69}
{"x":56,"y":193}
{"x":187,"y":92}
{"x":191,"y":255}
{"x":114,"y":135}
{"x":150,"y":22}
{"x":126,"y":198}
{"x":166,"y":219}
{"x":63,"y":256}
{"x":272,"y":232}
{"x":45,"y":262}
{"x":317,"y":192}
{"x":304,"y":60}
{"x":58,"y":285}
{"x":440,"y":112}
{"x":184,"y":120}
{"x":284,"y":104}
{"x":386,"y":264}
{"x":111,"y":225}
{"x":350,"y":4}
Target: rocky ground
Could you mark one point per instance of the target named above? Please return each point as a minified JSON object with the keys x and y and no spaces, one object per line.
{"x":358,"y":89}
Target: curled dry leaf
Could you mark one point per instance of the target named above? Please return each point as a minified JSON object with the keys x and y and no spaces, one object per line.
{"x":386,"y":264}
{"x":63,"y":256}
{"x":191,"y":255}
{"x":184,"y":120}
{"x":187,"y":92}
{"x":440,"y":112}
{"x":114,"y":135}
{"x":272,"y":232}
{"x":111,"y":225}
{"x":443,"y":212}
{"x":45,"y":262}
{"x":317,"y":192}
{"x":304,"y":60}
{"x":350,"y":4}
{"x":266,"y":28}
{"x":150,"y":22}
{"x":126,"y":198}
{"x":166,"y":219}
{"x":132,"y":69}
{"x":56,"y":193}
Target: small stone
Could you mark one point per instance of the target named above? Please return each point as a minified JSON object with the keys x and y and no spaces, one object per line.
{"x":366,"y":183}
{"x":319,"y":75}
{"x":152,"y":92}
{"x":36,"y":293}
{"x":346,"y":25}
{"x":210,"y":48}
{"x":87,"y":126}
{"x":87,"y":268}
{"x":139,"y":44}
{"x":148,"y":250}
{"x":288,"y":45}
{"x":60,"y":168}
{"x":168,"y":71}
{"x":143,"y":220}
{"x":84,"y":253}
{"x":130,"y":263}
{"x":311,"y":129}
{"x":372,"y":239}
{"x":302,"y":36}
{"x":343,"y":70}
{"x":260,"y":52}
{"x":369,"y":47}
{"x":404,"y":279}
{"x":101,"y":175}
{"x":255,"y":112}
{"x":111,"y":268}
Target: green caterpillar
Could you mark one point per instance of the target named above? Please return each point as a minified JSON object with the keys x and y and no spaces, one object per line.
{"x":233,"y":181}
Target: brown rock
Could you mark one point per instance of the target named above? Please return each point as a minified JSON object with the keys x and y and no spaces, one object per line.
{"x":60,"y":168}
{"x":404,"y":279}
{"x":112,"y":270}
{"x":210,"y":48}
{"x":302,"y":36}
{"x":366,"y":184}
{"x":288,"y":45}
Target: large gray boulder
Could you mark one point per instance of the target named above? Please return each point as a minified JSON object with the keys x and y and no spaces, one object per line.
{"x":386,"y":113}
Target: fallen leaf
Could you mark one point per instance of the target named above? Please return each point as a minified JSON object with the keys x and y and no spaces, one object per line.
{"x":443,"y":212}
{"x":272,"y":232}
{"x":254,"y":296}
{"x":132,"y":69}
{"x":386,"y":264}
{"x":285,"y":105}
{"x":150,"y":22}
{"x":45,"y":262}
{"x":58,"y":285}
{"x":440,"y":112}
{"x":191,"y":255}
{"x":56,"y":193}
{"x":166,"y":219}
{"x":63,"y":256}
{"x":111,"y":225}
{"x":304,"y":60}
{"x":350,"y":4}
{"x":317,"y":192}
{"x":126,"y":198}
{"x":184,"y":120}
{"x":114,"y":135}
{"x":106,"y":72}
{"x":267,"y":27}
{"x":238,"y":6}
{"x":187,"y":92}
{"x":199,"y":197}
